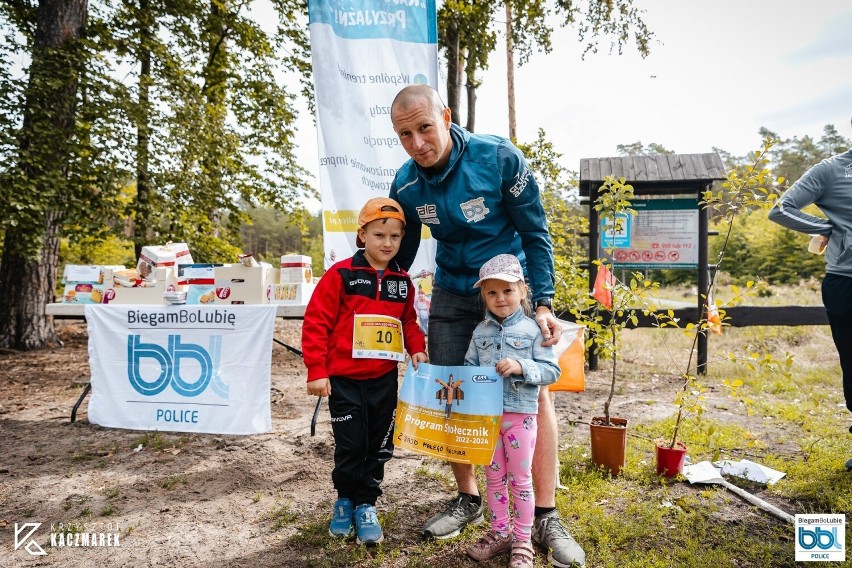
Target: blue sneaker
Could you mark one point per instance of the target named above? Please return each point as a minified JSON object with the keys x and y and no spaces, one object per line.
{"x":342,"y":520}
{"x":367,"y":526}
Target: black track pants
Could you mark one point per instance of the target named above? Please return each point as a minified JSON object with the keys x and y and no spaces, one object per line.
{"x":362,"y":418}
{"x":837,"y":297}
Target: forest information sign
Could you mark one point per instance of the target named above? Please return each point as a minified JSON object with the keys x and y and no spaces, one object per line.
{"x":450,"y":413}
{"x":663,"y":233}
{"x":363,"y":52}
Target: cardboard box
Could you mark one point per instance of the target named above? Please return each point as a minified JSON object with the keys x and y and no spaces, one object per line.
{"x":296,"y":268}
{"x":278,"y":292}
{"x":166,"y":280}
{"x":238,"y":284}
{"x":182,"y":254}
{"x":84,"y":293}
{"x":86,"y":284}
{"x":154,"y":256}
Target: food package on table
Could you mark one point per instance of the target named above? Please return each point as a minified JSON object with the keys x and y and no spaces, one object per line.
{"x":86,"y":273}
{"x":200,"y":282}
{"x":296,"y":268}
{"x":83,"y":293}
{"x":282,"y":292}
{"x":155,"y":256}
{"x":86,"y":284}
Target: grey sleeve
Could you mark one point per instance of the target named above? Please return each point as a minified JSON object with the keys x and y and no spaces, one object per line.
{"x":788,"y":210}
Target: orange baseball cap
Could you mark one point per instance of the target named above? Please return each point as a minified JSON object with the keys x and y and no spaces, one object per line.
{"x":378,"y":208}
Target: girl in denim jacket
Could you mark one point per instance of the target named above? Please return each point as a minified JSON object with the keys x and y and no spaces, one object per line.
{"x":511,"y":341}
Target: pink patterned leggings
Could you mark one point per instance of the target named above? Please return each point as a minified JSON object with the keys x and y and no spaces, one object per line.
{"x":511,"y":467}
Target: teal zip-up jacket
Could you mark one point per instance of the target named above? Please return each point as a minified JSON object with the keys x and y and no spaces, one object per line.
{"x":486,"y":202}
{"x":828,"y":185}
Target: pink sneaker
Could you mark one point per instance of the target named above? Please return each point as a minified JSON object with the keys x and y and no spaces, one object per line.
{"x":489,"y":546}
{"x":523,"y":555}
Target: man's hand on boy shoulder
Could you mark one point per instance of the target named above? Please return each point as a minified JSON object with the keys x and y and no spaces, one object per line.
{"x":319,"y":387}
{"x":418,"y":358}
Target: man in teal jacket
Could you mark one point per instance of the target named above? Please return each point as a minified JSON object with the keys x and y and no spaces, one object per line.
{"x":479,"y":199}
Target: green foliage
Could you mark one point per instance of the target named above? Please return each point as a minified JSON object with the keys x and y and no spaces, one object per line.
{"x":566,"y":221}
{"x":466,"y":32}
{"x":271,"y":233}
{"x":108,"y":249}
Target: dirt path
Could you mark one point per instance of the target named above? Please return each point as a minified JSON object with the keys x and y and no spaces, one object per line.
{"x":204,"y":500}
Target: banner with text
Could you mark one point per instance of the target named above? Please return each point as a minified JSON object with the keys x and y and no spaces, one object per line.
{"x":181,"y":368}
{"x":363,"y":53}
{"x":450,"y":413}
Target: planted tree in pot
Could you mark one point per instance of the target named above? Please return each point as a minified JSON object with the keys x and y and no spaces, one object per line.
{"x":746,"y":189}
{"x":613,"y":308}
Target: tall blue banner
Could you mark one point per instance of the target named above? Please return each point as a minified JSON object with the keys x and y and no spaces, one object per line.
{"x":363,"y":53}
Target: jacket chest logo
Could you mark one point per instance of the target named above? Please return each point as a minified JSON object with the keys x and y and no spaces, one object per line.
{"x":847,"y":171}
{"x":428,"y":214}
{"x":395,"y":290}
{"x":474,"y":210}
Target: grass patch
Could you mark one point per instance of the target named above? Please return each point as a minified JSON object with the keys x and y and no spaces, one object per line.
{"x":173,"y":480}
{"x":159,"y":441}
{"x":281,"y":515}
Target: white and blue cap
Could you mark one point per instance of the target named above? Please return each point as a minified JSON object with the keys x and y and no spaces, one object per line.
{"x":504,"y":267}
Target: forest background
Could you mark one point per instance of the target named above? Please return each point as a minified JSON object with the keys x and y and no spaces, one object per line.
{"x":141,"y":122}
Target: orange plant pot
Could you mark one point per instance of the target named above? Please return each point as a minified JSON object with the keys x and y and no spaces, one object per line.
{"x":609,"y":443}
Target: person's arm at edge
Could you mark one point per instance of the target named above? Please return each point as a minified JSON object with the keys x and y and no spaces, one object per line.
{"x":787,"y":212}
{"x":411,"y":239}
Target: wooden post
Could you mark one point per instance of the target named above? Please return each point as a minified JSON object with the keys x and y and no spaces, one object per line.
{"x":594,"y":225}
{"x":703,"y":280}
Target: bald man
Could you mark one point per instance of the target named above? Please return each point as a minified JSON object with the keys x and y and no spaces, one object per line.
{"x":479,"y":199}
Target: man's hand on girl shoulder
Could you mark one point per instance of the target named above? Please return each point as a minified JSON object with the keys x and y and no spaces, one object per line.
{"x":550,"y":328}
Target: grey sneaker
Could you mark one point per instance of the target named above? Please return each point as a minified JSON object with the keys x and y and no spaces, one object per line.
{"x":849,"y":464}
{"x":450,"y":522}
{"x":562,"y":550}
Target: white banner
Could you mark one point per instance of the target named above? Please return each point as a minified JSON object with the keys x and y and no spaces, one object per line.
{"x":181,"y":368}
{"x":363,"y":53}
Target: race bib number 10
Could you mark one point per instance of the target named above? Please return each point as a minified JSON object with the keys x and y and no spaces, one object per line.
{"x":377,"y":337}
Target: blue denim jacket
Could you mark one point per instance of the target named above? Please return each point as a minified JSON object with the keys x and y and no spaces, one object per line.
{"x":519,"y":338}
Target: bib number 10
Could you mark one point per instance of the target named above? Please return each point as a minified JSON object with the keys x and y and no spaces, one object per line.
{"x":377,"y":337}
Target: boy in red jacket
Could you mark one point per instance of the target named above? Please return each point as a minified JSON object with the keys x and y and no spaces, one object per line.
{"x":359,"y":319}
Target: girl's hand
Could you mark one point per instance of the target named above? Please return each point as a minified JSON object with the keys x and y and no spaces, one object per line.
{"x":418,"y":358}
{"x":320,"y":387}
{"x":508,"y":367}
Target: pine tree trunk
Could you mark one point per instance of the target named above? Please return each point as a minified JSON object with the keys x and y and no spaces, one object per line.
{"x":31,"y":249}
{"x":471,"y":101}
{"x":142,"y":220}
{"x":453,"y":71}
{"x":510,"y":72}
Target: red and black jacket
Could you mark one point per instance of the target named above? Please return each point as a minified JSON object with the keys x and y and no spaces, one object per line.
{"x":353,"y":286}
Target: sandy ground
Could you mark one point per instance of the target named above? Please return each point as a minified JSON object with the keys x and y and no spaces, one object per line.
{"x":204,"y":500}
